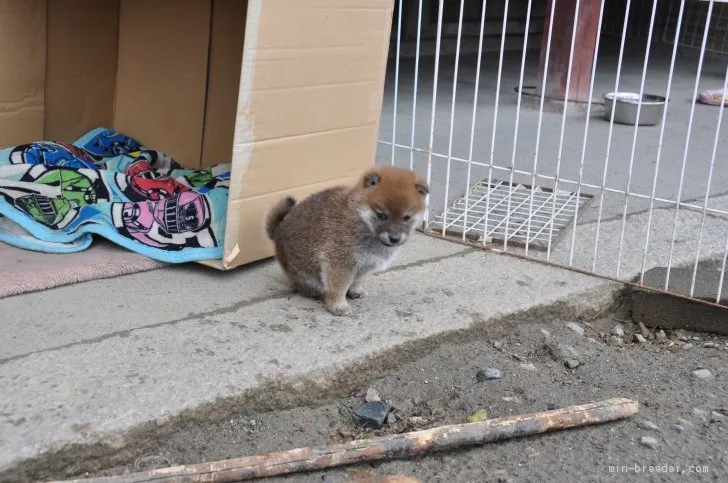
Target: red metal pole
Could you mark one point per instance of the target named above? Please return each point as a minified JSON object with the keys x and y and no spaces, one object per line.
{"x":585,"y":42}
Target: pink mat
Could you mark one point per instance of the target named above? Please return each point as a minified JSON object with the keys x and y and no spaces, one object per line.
{"x":712,"y":97}
{"x":27,"y":271}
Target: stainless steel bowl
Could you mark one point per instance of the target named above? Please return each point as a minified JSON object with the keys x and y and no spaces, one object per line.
{"x":625,"y":109}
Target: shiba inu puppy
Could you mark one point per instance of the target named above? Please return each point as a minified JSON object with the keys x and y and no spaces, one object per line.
{"x":329,"y":243}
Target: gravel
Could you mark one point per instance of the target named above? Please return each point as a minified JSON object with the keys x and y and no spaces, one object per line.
{"x":563,"y":352}
{"x":703,"y":374}
{"x":648,"y":425}
{"x":372,"y":395}
{"x":372,"y":415}
{"x":660,"y":380}
{"x":488,"y":374}
{"x":639,"y":339}
{"x":649,"y":442}
{"x":574,"y":327}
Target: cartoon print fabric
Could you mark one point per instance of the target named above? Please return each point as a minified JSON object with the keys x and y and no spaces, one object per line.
{"x":54,"y":196}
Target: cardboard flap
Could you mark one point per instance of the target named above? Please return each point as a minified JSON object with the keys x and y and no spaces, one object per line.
{"x":309,"y":104}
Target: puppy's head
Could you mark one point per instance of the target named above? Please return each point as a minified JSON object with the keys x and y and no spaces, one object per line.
{"x":391,"y":202}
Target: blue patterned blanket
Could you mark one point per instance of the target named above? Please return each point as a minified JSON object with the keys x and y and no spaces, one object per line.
{"x":54,"y":196}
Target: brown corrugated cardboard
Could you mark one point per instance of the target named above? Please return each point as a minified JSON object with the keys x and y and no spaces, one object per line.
{"x":223,"y":81}
{"x":22,"y":70}
{"x":289,"y":110}
{"x":80,"y":67}
{"x":162,"y":74}
{"x":290,"y":91}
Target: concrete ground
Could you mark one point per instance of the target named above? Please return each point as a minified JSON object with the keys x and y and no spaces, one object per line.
{"x":503,"y":154}
{"x":684,"y":415}
{"x":96,"y":364}
{"x":90,"y":372}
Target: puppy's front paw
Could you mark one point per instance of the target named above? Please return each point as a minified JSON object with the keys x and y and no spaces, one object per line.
{"x":356,"y":293}
{"x":339,"y":308}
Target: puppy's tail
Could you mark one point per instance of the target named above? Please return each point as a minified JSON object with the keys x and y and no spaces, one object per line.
{"x":277,"y":213}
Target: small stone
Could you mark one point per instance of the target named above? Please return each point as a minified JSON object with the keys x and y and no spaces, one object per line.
{"x":700,"y":414}
{"x":498,"y":344}
{"x":645,"y":331}
{"x":563,"y":352}
{"x":695,"y":337}
{"x":416,"y":421}
{"x":716,"y":416}
{"x":572,"y":363}
{"x":649,"y":442}
{"x":648,"y":425}
{"x":528,"y":366}
{"x":480,"y":415}
{"x":545,"y":333}
{"x":618,"y":330}
{"x":576,"y":328}
{"x":391,"y":419}
{"x":372,"y":395}
{"x":660,"y":335}
{"x":639,"y":339}
{"x":687,"y":346}
{"x":684,"y":423}
{"x":703,"y":374}
{"x":710,"y":345}
{"x":519,"y":358}
{"x":682,"y":336}
{"x":372,"y":415}
{"x":679,"y":428}
{"x":616,"y":340}
{"x":488,"y":374}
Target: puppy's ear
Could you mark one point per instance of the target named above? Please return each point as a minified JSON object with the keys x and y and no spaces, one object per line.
{"x":370,"y":179}
{"x":422,"y":188}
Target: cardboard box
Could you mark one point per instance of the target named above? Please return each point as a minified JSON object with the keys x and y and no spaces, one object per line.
{"x":289,"y":90}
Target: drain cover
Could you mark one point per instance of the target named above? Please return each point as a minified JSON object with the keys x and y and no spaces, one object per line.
{"x":532,"y":217}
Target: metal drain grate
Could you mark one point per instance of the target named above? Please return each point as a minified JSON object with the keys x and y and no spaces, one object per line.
{"x":529,"y":220}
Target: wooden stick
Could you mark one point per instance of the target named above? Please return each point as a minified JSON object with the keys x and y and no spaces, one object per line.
{"x":387,"y":447}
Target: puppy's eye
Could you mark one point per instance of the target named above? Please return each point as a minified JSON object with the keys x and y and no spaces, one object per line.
{"x":381,"y":216}
{"x":406,"y":218}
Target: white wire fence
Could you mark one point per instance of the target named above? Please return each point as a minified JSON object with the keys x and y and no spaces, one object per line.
{"x":568,"y":184}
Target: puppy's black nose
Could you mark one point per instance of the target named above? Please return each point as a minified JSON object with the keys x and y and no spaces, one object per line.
{"x":394,"y":239}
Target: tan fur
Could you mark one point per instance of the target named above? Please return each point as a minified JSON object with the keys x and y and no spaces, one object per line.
{"x":328,"y":244}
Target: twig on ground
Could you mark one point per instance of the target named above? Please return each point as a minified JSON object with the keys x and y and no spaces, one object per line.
{"x":384,"y":448}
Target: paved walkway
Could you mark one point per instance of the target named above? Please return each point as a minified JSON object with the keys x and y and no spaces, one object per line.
{"x":93,"y":362}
